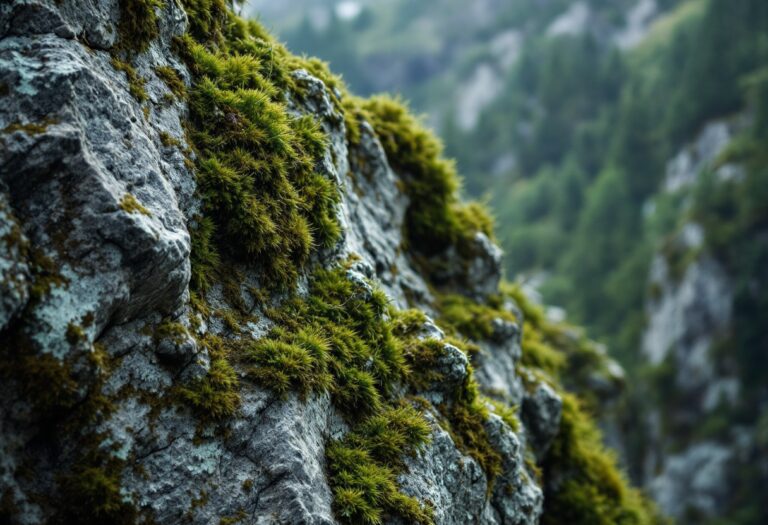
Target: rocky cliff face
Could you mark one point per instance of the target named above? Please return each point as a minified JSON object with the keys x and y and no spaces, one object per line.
{"x":231,"y":292}
{"x":702,"y":434}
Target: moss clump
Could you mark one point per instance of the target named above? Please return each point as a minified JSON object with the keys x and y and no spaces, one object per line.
{"x":584,"y":484}
{"x":559,"y":350}
{"x":214,"y":397}
{"x":174,"y":331}
{"x":436,"y":218}
{"x":466,"y":425}
{"x":364,"y":466}
{"x":205,"y":254}
{"x":31,"y":128}
{"x":138,"y":23}
{"x":173,"y":80}
{"x":508,"y":414}
{"x":129,"y":204}
{"x":337,"y":338}
{"x":207,"y":19}
{"x":291,"y":361}
{"x":136,"y":83}
{"x":469,"y":318}
{"x":90,"y":493}
{"x":168,"y":140}
{"x":256,"y":169}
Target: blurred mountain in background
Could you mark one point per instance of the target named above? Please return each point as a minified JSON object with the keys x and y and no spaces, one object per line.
{"x":623,"y":145}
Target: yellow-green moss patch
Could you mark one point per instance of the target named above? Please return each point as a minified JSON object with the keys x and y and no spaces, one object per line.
{"x":129,"y":204}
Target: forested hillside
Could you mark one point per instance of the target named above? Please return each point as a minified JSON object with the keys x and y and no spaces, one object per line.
{"x":611,"y":139}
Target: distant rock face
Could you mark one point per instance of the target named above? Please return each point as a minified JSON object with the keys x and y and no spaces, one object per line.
{"x":694,"y":448}
{"x":97,"y":196}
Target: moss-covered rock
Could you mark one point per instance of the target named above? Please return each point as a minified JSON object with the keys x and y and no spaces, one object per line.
{"x":273,"y":371}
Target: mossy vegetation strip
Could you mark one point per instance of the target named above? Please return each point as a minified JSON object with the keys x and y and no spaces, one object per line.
{"x":582,"y":480}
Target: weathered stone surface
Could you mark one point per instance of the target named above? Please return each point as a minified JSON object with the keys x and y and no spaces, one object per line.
{"x":517,"y":499}
{"x":455,"y":483}
{"x":542,"y":408}
{"x":477,"y":276}
{"x":496,"y":365}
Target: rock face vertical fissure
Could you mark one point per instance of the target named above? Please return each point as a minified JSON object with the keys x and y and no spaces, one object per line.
{"x":215,"y":304}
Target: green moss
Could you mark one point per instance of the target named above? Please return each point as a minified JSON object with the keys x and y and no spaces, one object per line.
{"x":337,"y":338}
{"x":174,"y":331}
{"x":291,"y":362}
{"x":436,"y":218}
{"x":584,"y":484}
{"x":173,"y":80}
{"x":205,"y":255}
{"x":91,"y":493}
{"x":31,"y":128}
{"x":75,"y":334}
{"x":464,"y":412}
{"x":129,"y":204}
{"x":582,"y":481}
{"x":507,"y":413}
{"x":167,"y":140}
{"x":207,"y":19}
{"x":138,"y":23}
{"x":238,"y":517}
{"x":136,"y":83}
{"x":256,"y":168}
{"x":364,"y":465}
{"x":466,"y":425}
{"x":469,"y":318}
{"x":214,"y":397}
{"x":560,"y":351}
